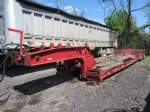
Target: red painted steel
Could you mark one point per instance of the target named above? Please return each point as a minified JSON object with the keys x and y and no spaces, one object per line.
{"x":21,"y":36}
{"x":44,"y":55}
{"x":100,"y":74}
{"x":135,"y":52}
{"x":74,"y":58}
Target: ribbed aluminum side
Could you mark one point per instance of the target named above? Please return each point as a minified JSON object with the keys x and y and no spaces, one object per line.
{"x":43,"y":27}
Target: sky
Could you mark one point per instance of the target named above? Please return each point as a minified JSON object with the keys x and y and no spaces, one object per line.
{"x":92,"y":10}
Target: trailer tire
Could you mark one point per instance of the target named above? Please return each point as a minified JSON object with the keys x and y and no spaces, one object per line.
{"x":104,"y":53}
{"x":143,"y":56}
{"x":9,"y":63}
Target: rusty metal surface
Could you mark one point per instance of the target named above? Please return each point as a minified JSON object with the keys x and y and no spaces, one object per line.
{"x":113,"y":60}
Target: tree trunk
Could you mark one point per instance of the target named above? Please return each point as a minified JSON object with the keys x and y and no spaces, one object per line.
{"x":129,"y":24}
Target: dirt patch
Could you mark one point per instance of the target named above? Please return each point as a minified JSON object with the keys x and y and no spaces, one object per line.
{"x":53,"y":102}
{"x":19,"y":105}
{"x":21,"y":96}
{"x":2,"y":104}
{"x":10,"y":110}
{"x":35,"y":99}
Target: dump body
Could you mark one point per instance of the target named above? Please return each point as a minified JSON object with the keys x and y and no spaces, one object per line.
{"x":45,"y":25}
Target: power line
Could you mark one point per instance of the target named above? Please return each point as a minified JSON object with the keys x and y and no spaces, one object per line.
{"x":74,"y":10}
{"x":60,"y":3}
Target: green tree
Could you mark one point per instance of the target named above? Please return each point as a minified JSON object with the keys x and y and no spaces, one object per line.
{"x":148,"y":42}
{"x":118,"y":21}
{"x":147,"y":10}
{"x":129,"y":29}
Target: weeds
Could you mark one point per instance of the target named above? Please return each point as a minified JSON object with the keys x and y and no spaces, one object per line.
{"x":146,"y":60}
{"x":75,"y":79}
{"x":107,"y":82}
{"x":53,"y":73}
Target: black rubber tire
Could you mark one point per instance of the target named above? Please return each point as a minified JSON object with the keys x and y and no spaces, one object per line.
{"x":144,"y":55}
{"x":8,"y":66}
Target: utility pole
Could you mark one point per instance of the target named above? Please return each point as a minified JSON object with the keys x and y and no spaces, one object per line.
{"x":129,"y":24}
{"x":75,"y":12}
{"x":57,"y":4}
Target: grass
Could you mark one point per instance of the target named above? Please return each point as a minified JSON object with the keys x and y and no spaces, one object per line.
{"x":75,"y":79}
{"x":146,"y":60}
{"x":53,"y":73}
{"x":107,"y":82}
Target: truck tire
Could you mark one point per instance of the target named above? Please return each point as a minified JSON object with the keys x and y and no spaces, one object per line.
{"x":143,"y":56}
{"x":104,"y":53}
{"x":9,"y":63}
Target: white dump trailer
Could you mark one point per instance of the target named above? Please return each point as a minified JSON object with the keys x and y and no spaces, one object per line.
{"x":44,"y":25}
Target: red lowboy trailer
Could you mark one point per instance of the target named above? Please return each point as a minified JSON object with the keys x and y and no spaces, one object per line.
{"x":70,"y":59}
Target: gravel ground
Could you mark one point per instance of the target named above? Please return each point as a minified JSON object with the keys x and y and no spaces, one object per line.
{"x":41,"y":89}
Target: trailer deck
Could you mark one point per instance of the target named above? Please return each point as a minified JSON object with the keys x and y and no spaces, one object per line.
{"x":106,"y":66}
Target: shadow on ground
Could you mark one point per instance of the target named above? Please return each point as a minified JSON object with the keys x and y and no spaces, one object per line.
{"x":146,"y":108}
{"x":21,"y":70}
{"x":122,"y":110}
{"x":38,"y":85}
